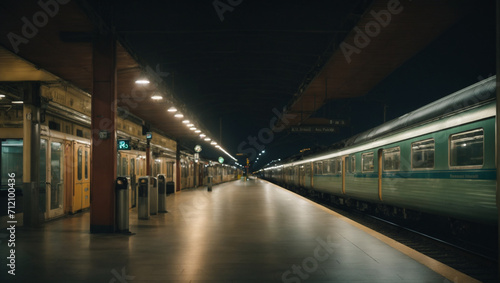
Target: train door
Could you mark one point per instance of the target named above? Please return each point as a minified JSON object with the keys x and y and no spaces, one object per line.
{"x":379,"y":153}
{"x":344,"y":167}
{"x":53,"y":176}
{"x":81,"y":178}
{"x":302,"y":176}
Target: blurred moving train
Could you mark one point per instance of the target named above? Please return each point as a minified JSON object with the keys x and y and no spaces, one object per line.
{"x":438,"y":160}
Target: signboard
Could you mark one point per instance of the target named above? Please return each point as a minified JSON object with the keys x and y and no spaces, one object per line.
{"x":313,"y":129}
{"x":196,"y":157}
{"x":149,"y":135}
{"x":221,"y":160}
{"x":123,"y":145}
{"x":197,"y":148}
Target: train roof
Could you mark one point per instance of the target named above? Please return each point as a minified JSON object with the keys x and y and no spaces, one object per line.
{"x":464,"y":99}
{"x":461,"y":100}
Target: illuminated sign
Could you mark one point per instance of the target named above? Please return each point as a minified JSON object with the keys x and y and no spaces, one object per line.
{"x":124,"y":145}
{"x":221,"y":159}
{"x":149,"y":135}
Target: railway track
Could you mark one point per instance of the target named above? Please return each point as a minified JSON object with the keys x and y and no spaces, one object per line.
{"x":473,"y":262}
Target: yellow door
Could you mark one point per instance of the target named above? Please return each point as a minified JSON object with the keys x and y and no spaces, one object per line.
{"x":78,"y":178}
{"x":86,"y":177}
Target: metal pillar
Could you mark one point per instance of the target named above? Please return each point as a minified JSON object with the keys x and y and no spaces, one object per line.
{"x":148,"y":157}
{"x":31,"y":155}
{"x":103,"y":169}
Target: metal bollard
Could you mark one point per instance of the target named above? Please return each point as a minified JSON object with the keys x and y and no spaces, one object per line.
{"x":143,"y":201}
{"x":121,"y":186}
{"x":153,"y":194}
{"x":209,"y":185}
{"x":162,"y":193}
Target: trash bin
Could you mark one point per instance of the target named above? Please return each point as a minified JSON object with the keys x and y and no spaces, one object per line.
{"x":162,"y":193}
{"x":143,"y":198}
{"x":121,"y":189}
{"x":209,"y":185}
{"x":153,"y":194}
{"x":170,"y":187}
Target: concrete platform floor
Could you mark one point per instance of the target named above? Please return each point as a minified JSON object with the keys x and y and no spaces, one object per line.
{"x":240,"y":232}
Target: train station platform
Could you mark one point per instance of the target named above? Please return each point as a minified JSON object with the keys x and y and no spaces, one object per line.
{"x":242,"y":231}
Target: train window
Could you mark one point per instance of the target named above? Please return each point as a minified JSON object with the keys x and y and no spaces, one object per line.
{"x":338,"y":166}
{"x":86,"y":165}
{"x":367,"y":162}
{"x":327,"y":167}
{"x":422,"y":154}
{"x":318,"y":168}
{"x":353,"y":164}
{"x":79,"y":164}
{"x":466,"y":149}
{"x":392,"y":157}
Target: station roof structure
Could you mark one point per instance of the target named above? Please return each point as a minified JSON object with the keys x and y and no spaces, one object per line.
{"x":231,"y":67}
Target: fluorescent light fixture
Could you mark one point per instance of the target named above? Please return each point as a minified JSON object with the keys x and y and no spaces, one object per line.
{"x":207,"y":139}
{"x":193,"y":129}
{"x":185,"y":121}
{"x":172,"y":109}
{"x":2,"y":95}
{"x":157,"y":97}
{"x":190,"y":125}
{"x":17,"y":102}
{"x":213,"y":143}
{"x":178,"y":115}
{"x":217,"y":146}
{"x":197,"y":131}
{"x":142,"y":81}
{"x":202,"y":135}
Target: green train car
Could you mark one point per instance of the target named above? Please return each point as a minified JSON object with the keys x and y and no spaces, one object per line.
{"x":439,"y":159}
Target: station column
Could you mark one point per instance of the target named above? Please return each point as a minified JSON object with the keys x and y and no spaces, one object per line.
{"x":103,"y":168}
{"x":33,"y":213}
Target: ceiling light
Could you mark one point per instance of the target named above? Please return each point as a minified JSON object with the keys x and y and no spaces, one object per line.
{"x":197,"y":131}
{"x":17,"y":102}
{"x":142,"y":81}
{"x":172,"y":109}
{"x":193,"y":129}
{"x":202,"y":135}
{"x":185,"y":121}
{"x":207,"y":139}
{"x":178,"y":115}
{"x":190,"y":125}
{"x":157,"y":97}
{"x":213,"y":143}
{"x":217,"y":146}
{"x":2,"y":95}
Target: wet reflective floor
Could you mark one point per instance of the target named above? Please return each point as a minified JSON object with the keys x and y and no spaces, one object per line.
{"x":241,"y":231}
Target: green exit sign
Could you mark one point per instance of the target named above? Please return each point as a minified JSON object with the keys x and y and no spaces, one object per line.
{"x":124,"y":145}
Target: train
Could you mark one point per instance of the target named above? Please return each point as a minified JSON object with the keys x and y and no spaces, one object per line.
{"x":438,"y":160}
